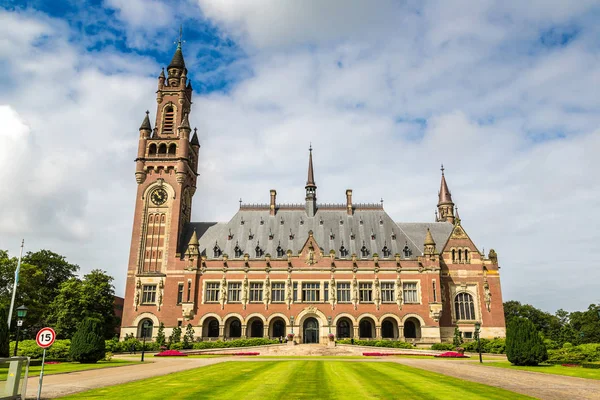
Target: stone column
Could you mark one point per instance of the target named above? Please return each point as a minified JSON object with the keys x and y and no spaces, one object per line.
{"x":266,"y":331}
{"x":356,"y":332}
{"x":221,"y":332}
{"x":244,"y":331}
{"x":377,"y":332}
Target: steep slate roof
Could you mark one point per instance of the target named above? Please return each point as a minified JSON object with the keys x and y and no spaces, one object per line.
{"x":323,"y":224}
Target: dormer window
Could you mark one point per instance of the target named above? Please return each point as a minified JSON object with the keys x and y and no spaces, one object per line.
{"x":343,"y":251}
{"x":393,"y":235}
{"x":386,"y":251}
{"x":242,"y":222}
{"x":341,"y":221}
{"x":238,"y":251}
{"x":352,"y":235}
{"x":301,"y":221}
{"x":320,"y":221}
{"x":279,"y":251}
{"x":331,"y":235}
{"x":406,"y":251}
{"x":217,"y":250}
{"x":262,"y":222}
{"x":291,"y":235}
{"x":250,"y":235}
{"x":372,"y":235}
{"x":230,"y":236}
{"x":364,"y":251}
{"x":258,"y":250}
{"x":271,"y":236}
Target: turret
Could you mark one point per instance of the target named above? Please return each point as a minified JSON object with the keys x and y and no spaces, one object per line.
{"x":145,"y":132}
{"x":445,"y":204}
{"x":311,"y":188}
{"x":429,"y":244}
{"x":176,"y":68}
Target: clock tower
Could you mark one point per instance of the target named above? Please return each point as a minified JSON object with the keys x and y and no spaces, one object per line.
{"x":165,"y":172}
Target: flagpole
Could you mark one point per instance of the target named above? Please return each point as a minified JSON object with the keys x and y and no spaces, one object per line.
{"x":12,"y":302}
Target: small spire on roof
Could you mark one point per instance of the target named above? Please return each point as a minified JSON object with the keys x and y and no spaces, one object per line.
{"x":146,"y":123}
{"x":194,"y":239}
{"x":162,"y":73}
{"x":194,"y":141}
{"x":429,"y":239}
{"x":310,"y":182}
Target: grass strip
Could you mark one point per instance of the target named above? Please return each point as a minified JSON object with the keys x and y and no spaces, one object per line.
{"x":578,"y":372}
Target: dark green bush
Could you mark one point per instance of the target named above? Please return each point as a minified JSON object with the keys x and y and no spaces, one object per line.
{"x":524,"y":346}
{"x":29,"y":348}
{"x":396,"y":344}
{"x":4,"y":334}
{"x":591,"y":365}
{"x":443,"y":346}
{"x":575,"y":354}
{"x":87,"y":344}
{"x":219,"y":344}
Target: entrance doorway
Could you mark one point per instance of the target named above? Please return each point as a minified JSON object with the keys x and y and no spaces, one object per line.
{"x":311,"y":331}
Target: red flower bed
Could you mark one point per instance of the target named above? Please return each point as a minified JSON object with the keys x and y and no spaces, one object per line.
{"x":247,"y":353}
{"x":376,"y":354}
{"x":451,"y":354}
{"x":170,"y":353}
{"x":52,"y":362}
{"x":570,"y":365}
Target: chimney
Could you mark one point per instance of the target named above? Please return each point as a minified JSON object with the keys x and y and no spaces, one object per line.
{"x":272,"y":206}
{"x":349,"y":201}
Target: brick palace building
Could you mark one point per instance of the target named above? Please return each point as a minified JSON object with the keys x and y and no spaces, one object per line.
{"x":311,"y":268}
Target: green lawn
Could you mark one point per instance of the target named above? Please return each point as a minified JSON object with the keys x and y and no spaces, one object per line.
{"x":579,"y":372}
{"x":299,"y":380}
{"x":50,"y":369}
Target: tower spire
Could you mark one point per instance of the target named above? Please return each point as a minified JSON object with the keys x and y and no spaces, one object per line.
{"x":311,"y":187}
{"x":445,"y":204}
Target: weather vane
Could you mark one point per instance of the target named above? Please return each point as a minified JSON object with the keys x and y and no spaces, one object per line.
{"x":180,"y":41}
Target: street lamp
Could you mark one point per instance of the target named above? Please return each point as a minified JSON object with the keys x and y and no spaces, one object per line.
{"x":144,"y":330}
{"x":477,"y":327}
{"x":21,"y":313}
{"x":329,"y":321}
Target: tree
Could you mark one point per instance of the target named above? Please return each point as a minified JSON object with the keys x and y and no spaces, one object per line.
{"x":91,"y":297}
{"x":87,"y":344}
{"x":40,"y":277}
{"x":4,"y":337}
{"x":188,"y":338}
{"x":160,"y":336}
{"x":457,"y":340}
{"x":175,"y":335}
{"x":524,"y":346}
{"x":544,"y":322}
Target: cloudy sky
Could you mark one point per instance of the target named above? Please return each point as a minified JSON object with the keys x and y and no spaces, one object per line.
{"x":504,"y":94}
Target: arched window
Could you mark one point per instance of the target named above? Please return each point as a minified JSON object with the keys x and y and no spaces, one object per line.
{"x":387,"y":329}
{"x":464,"y":307}
{"x":238,"y":251}
{"x":145,"y":328}
{"x":213,"y":328}
{"x":235,"y":328}
{"x":217,"y":250}
{"x":466,"y":256}
{"x":279,"y":251}
{"x":152,"y":149}
{"x":278,"y":329}
{"x":343,"y":329}
{"x":168,"y":120}
{"x":162,"y":149}
{"x":172,"y":149}
{"x":365,"y":328}
{"x":459,"y":255}
{"x":364,"y":251}
{"x":453,"y":255}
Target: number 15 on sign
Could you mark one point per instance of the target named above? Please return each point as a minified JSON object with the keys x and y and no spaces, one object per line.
{"x":44,"y":338}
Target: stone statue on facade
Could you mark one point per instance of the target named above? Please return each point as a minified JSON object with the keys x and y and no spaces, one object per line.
{"x":377,"y":296}
{"x":223,"y":294}
{"x":399,"y":297}
{"x":288,"y":287}
{"x":355,"y":292}
{"x":332,"y":293}
{"x":245,"y":292}
{"x":267,"y":293}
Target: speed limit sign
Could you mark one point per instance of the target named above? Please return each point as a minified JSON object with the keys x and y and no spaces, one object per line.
{"x":45,"y":337}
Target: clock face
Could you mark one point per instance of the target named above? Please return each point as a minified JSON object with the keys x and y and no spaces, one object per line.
{"x":159,"y":196}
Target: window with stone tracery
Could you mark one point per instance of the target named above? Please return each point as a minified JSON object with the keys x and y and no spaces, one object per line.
{"x":212,"y":292}
{"x":365,"y":290}
{"x":256,"y":291}
{"x":411,"y":294}
{"x":464,"y":307}
{"x":388,"y":292}
{"x":278,"y":292}
{"x":343,"y":292}
{"x":234,"y":290}
{"x":148,"y":294}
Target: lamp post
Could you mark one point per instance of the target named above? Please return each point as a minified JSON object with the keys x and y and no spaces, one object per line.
{"x":477,"y":326}
{"x":144,"y":329}
{"x":21,"y":313}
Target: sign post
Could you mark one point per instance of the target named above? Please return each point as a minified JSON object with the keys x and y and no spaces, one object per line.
{"x":44,"y":338}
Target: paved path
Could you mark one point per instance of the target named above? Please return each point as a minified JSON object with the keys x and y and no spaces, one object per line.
{"x":535,"y":384}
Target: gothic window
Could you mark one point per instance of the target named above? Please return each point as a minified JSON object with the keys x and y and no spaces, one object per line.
{"x":258,"y":250}
{"x":213,"y":328}
{"x":212,"y":292}
{"x":238,"y":251}
{"x":364,"y":251}
{"x":386,"y":251}
{"x":172,"y":149}
{"x":310,"y":292}
{"x":343,"y":251}
{"x":180,"y":293}
{"x":152,"y":149}
{"x":410,"y":290}
{"x":464,"y":307}
{"x":466,"y":256}
{"x":256,"y":291}
{"x":234,"y":290}
{"x":217,"y":250}
{"x":352,"y":235}
{"x":168,"y":120}
{"x":365,"y":291}
{"x":162,"y":149}
{"x":343,"y":292}
{"x":147,"y":331}
{"x":343,"y":329}
{"x":388,"y":292}
{"x":459,"y":256}
{"x":393,"y":235}
{"x":453,"y":256}
{"x":271,"y":236}
{"x":279,"y":251}
{"x":278,"y":292}
{"x":291,"y":235}
{"x":148,"y":294}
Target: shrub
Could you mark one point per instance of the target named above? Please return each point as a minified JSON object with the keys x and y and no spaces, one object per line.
{"x":175,"y":336}
{"x":575,"y":354}
{"x":591,"y":365}
{"x":29,"y":348}
{"x":160,"y":335}
{"x":108,"y":356}
{"x":4,"y":335}
{"x":396,"y":344}
{"x":188,"y":338}
{"x":524,"y":346}
{"x":88,"y":345}
{"x":457,"y":340}
{"x":443,"y":346}
{"x":219,"y":344}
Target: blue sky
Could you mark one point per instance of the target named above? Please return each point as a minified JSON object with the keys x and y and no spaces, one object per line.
{"x":502,"y":93}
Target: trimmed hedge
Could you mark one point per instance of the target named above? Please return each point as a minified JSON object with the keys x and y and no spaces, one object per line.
{"x":29,"y":348}
{"x":443,"y":346}
{"x":219,"y":344}
{"x":395,"y":344}
{"x":524,"y":346}
{"x":591,"y":365}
